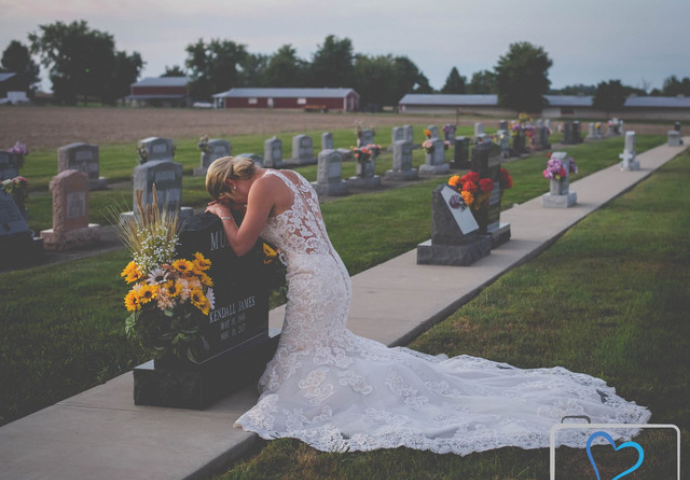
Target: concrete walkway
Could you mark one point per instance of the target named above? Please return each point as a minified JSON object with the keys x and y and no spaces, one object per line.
{"x":101,"y":434}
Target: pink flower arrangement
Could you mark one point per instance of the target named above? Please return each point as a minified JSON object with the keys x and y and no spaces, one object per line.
{"x":19,"y":148}
{"x":557,"y":169}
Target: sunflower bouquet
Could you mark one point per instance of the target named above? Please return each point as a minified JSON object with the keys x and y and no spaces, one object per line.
{"x":168,"y":295}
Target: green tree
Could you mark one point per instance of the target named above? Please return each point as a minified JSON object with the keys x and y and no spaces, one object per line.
{"x":522,"y":77}
{"x":215,"y":67}
{"x":482,"y":82}
{"x":83,"y":62}
{"x":578,"y":89}
{"x":674,"y":87}
{"x":455,"y":83}
{"x":422,"y":84}
{"x":610,"y":96}
{"x":17,"y":58}
{"x":174,"y":71}
{"x":333,"y":64}
{"x":285,"y":70}
{"x":252,"y":69}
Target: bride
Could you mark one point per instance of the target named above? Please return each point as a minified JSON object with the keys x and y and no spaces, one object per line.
{"x":337,"y":391}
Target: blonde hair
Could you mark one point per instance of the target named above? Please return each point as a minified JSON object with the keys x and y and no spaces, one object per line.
{"x":233,"y":168}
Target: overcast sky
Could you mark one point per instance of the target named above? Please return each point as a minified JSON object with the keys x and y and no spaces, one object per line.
{"x":589,"y":41}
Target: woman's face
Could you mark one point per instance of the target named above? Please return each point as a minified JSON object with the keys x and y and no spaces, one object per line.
{"x":238,"y":191}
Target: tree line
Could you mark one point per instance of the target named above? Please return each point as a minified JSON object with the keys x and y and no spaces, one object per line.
{"x":83,"y":63}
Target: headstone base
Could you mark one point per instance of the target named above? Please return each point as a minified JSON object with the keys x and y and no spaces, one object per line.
{"x":501,"y":235}
{"x":79,"y":237}
{"x":359,"y":182}
{"x":100,"y":183}
{"x":559,"y":201}
{"x":183,"y":213}
{"x":333,"y":188}
{"x":301,"y":161}
{"x":631,"y":166}
{"x":454,"y":255}
{"x":201,"y":385}
{"x":425,"y":169}
{"x":200,"y":171}
{"x":410,"y":174}
{"x":20,"y":249}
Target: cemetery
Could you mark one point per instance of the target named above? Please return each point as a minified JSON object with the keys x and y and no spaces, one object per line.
{"x":439,"y":254}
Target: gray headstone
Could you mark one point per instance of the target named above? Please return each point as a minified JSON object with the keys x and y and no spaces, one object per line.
{"x":11,"y":219}
{"x":158,"y":149}
{"x":434,"y":131}
{"x":327,"y":141}
{"x":18,"y":246}
{"x":408,"y":133}
{"x":84,"y":158}
{"x":478,"y":129}
{"x":402,"y":162}
{"x":449,"y":132}
{"x":676,"y":126}
{"x":397,"y":134}
{"x":674,"y":139}
{"x":365,"y":137}
{"x":302,"y":150}
{"x":273,"y":153}
{"x":559,"y":195}
{"x":10,"y":163}
{"x":435,"y":160}
{"x":330,"y":174}
{"x":503,"y":125}
{"x":167,"y":176}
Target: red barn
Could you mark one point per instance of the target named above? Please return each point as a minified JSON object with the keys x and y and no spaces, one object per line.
{"x":160,"y":92}
{"x":317,"y":99}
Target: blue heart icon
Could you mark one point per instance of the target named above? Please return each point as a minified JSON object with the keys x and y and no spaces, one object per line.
{"x":634,"y":445}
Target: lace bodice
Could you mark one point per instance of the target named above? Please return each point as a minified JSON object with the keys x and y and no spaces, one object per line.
{"x":337,"y":391}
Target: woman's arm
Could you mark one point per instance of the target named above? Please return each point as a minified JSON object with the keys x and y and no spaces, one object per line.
{"x":259,"y":205}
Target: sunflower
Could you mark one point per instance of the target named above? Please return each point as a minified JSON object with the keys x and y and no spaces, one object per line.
{"x":206,"y":280}
{"x":147,"y":293}
{"x":199,"y":300}
{"x":132,"y":273}
{"x":269,"y":254}
{"x":172,"y":288}
{"x":201,"y":263}
{"x":183,"y":266}
{"x":132,"y":301}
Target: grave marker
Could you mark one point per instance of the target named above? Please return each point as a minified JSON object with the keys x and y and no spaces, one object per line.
{"x":486,"y":161}
{"x":82,"y":157}
{"x":559,"y":195}
{"x":273,"y":153}
{"x":302,"y":151}
{"x":629,"y":161}
{"x":461,"y":153}
{"x":402,"y":162}
{"x":156,"y":149}
{"x":327,"y":141}
{"x":330,"y":174}
{"x":435,"y":161}
{"x":214,"y":149}
{"x":18,"y":246}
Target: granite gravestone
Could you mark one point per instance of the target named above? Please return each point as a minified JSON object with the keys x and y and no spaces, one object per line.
{"x":365,"y":174}
{"x":234,"y":344}
{"x":302,"y":151}
{"x":461,"y":154}
{"x":18,"y":247}
{"x":71,"y":227}
{"x":330,"y":174}
{"x":503,"y":141}
{"x":327,"y":141}
{"x":503,"y":125}
{"x":256,"y":158}
{"x":82,"y":157}
{"x":673,"y":138}
{"x":435,"y":160}
{"x":486,"y":161}
{"x":568,"y":137}
{"x":676,"y":126}
{"x":365,"y":137}
{"x":273,"y":153}
{"x":478,"y":130}
{"x":577,"y":132}
{"x":10,"y":163}
{"x":629,"y":156}
{"x":167,"y":177}
{"x":156,"y":149}
{"x":397,"y":134}
{"x":402,"y":162}
{"x":408,"y":132}
{"x":449,"y":132}
{"x":215,"y":148}
{"x":559,"y":195}
{"x":434,"y":131}
{"x":455,"y":238}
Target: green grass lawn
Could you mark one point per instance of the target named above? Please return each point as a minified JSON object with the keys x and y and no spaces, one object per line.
{"x":63,"y":323}
{"x":611,"y":298}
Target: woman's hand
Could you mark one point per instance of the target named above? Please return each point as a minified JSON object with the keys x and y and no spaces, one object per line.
{"x":218,"y":209}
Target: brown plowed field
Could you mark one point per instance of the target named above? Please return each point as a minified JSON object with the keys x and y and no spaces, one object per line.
{"x":52,"y":127}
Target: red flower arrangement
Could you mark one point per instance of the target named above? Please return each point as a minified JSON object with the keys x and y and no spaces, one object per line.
{"x":473,"y":189}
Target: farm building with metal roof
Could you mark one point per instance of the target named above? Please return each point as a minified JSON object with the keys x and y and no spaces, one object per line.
{"x":560,"y":106}
{"x":318,"y":99}
{"x":160,"y":92}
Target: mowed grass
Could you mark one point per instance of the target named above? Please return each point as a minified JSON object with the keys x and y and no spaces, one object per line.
{"x":62,"y":324}
{"x":611,"y":298}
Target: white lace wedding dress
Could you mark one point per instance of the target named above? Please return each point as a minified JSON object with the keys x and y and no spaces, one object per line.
{"x":340,"y":392}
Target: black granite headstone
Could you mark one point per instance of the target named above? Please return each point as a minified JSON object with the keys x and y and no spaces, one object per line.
{"x":486,"y":161}
{"x":461,"y":158}
{"x":234,"y":335}
{"x":18,"y":246}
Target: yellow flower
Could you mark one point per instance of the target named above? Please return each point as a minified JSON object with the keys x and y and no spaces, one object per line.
{"x":132,"y":301}
{"x":468,"y":197}
{"x":173,"y":288}
{"x":206,"y":280}
{"x":269,"y":254}
{"x":132,"y":273}
{"x":199,"y":300}
{"x":201,"y":263}
{"x":183,"y":266}
{"x":147,"y":293}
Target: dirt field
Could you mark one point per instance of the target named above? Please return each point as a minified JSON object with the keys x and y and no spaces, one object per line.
{"x":52,"y":127}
